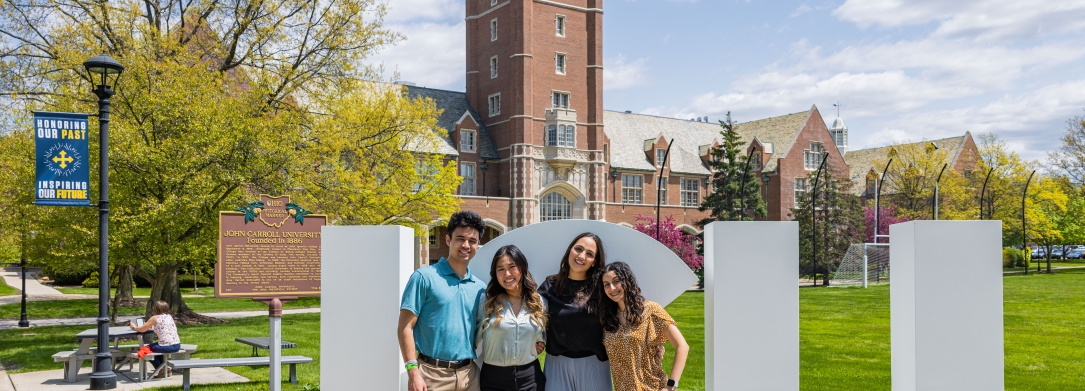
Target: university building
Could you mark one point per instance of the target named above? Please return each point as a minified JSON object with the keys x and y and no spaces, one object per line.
{"x":533,"y":142}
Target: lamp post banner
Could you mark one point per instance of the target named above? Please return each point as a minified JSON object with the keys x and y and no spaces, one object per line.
{"x":60,"y":141}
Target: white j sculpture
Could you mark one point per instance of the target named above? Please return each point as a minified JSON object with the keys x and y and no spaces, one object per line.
{"x":752,"y":306}
{"x":946,"y":305}
{"x":363,"y":272}
{"x":662,"y":276}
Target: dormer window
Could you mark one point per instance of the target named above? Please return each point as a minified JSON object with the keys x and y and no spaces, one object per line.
{"x":661,"y":155}
{"x":468,"y":141}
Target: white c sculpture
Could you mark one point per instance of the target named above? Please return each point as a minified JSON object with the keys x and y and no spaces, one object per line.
{"x":661,"y":275}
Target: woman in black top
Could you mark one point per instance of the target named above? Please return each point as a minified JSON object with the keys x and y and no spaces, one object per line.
{"x":575,"y":357}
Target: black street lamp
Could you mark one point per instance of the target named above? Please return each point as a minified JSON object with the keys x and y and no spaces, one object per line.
{"x":23,"y":321}
{"x":109,"y":70}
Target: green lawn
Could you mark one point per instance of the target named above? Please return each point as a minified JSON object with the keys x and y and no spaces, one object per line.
{"x":71,"y":290}
{"x":1043,"y":265}
{"x":6,"y":290}
{"x":89,"y":307}
{"x":844,"y":338}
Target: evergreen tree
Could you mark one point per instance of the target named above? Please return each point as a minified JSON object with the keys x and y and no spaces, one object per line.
{"x":730,"y":174}
{"x":839,"y":223}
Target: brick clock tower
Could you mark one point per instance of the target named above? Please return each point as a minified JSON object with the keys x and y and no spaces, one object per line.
{"x":535,"y":76}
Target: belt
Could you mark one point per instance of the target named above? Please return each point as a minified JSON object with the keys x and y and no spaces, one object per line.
{"x":442,"y":363}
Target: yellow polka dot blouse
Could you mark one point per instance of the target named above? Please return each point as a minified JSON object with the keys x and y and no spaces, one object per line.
{"x":632,"y":351}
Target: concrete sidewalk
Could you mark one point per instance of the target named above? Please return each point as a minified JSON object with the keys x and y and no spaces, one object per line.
{"x":54,"y":380}
{"x":13,"y":278}
{"x":11,"y":324}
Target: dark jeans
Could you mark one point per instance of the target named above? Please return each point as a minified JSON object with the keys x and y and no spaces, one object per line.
{"x":155,"y":347}
{"x":527,"y":377}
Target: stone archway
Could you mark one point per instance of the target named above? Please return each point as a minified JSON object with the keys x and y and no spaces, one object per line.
{"x":551,"y":207}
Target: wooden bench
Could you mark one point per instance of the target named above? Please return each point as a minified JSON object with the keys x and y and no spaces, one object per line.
{"x":134,"y":356}
{"x":186,"y":365}
{"x":72,"y":361}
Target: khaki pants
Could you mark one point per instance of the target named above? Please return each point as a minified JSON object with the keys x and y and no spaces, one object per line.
{"x":444,"y":379}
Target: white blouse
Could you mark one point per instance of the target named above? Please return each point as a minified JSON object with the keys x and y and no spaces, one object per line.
{"x":511,"y":341}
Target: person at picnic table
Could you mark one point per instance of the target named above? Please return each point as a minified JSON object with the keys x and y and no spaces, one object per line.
{"x":512,"y":320}
{"x":165,"y":330}
{"x":633,"y":330}
{"x":575,"y":357}
{"x":437,"y":314}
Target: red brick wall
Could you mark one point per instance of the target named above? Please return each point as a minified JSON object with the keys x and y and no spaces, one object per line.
{"x":792,"y":166}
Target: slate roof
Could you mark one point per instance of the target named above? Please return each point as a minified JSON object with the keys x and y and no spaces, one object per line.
{"x":453,"y":105}
{"x":862,"y":161}
{"x":628,"y":131}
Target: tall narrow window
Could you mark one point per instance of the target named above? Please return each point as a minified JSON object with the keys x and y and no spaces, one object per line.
{"x":662,"y":185}
{"x":493,"y":67}
{"x":632,"y":189}
{"x":493,"y":30}
{"x":570,"y":136}
{"x":467,"y":141}
{"x":559,"y":63}
{"x":800,"y":190}
{"x":661,"y":155}
{"x":552,"y":135}
{"x":467,"y":171}
{"x":691,"y":192}
{"x":432,"y":237}
{"x":495,"y":104}
{"x":559,"y":24}
{"x":561,"y":100}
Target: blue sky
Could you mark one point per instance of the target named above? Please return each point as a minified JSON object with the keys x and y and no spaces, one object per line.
{"x":902,"y":70}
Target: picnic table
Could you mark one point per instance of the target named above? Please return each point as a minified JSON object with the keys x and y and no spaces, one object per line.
{"x":74,"y":359}
{"x":263,"y":343}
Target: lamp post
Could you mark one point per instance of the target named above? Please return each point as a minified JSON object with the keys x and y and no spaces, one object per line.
{"x":877,"y":200}
{"x":813,"y":216}
{"x":109,"y":70}
{"x":660,"y":184}
{"x":23,"y":321}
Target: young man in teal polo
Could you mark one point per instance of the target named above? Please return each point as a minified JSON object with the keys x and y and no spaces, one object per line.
{"x":437,"y":314}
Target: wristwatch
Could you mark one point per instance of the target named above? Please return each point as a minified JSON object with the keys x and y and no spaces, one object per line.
{"x":672,"y":383}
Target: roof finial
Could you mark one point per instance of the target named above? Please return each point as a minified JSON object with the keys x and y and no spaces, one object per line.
{"x":837,"y":105}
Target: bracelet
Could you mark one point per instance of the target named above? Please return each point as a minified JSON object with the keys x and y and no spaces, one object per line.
{"x":412,"y":364}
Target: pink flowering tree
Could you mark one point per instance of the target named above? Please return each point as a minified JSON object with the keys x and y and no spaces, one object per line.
{"x":683,"y":244}
{"x":888,"y":217}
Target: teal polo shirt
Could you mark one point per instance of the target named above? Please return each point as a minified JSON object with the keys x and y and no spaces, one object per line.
{"x":445,"y":305}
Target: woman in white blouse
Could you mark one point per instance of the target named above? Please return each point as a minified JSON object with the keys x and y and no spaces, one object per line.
{"x":512,"y":326}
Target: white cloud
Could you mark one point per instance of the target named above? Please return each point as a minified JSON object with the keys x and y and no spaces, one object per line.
{"x":804,"y":8}
{"x":400,"y":11}
{"x":619,"y":74}
{"x":976,"y":19}
{"x":432,"y":55}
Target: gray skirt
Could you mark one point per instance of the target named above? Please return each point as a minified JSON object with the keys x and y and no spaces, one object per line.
{"x":577,"y":374}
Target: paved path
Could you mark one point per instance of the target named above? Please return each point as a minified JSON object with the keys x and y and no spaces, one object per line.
{"x":33,"y":287}
{"x":54,"y":380}
{"x":10,"y":324}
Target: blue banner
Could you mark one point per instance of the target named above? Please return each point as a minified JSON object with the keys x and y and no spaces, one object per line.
{"x":61,"y":147}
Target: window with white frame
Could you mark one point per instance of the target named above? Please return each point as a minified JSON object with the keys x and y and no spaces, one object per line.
{"x":561,"y":100}
{"x":662,"y":190}
{"x":493,"y":67}
{"x":812,"y":156}
{"x":661,"y":155}
{"x":632,"y":189}
{"x":493,"y":30}
{"x":468,"y":140}
{"x":493,"y":2}
{"x":559,"y":63}
{"x":467,"y":171}
{"x":691,"y":192}
{"x":561,"y":136}
{"x":432,"y":239}
{"x":755,"y":162}
{"x":495,"y":104}
{"x":800,"y":190}
{"x":559,"y":24}
{"x":554,"y":206}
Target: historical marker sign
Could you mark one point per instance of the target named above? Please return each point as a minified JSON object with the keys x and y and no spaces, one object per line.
{"x":269,"y":248}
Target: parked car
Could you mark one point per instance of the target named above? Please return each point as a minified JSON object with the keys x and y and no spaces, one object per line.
{"x":1038,"y":252}
{"x":1056,"y":253}
{"x":1075,"y":253}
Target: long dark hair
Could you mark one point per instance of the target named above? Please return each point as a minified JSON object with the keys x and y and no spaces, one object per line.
{"x":634,"y":301}
{"x":495,"y":293}
{"x":558,"y":280}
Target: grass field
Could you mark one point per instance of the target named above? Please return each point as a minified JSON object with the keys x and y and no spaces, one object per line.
{"x":1043,"y":265}
{"x":78,"y":290}
{"x":89,"y":307}
{"x":6,"y":290}
{"x":844,"y":338}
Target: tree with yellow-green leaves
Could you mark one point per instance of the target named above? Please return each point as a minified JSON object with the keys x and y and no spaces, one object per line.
{"x":910,"y":183}
{"x":218,"y":103}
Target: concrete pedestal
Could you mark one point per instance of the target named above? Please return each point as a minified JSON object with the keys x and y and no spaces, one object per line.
{"x":946,"y":305}
{"x":363,"y":273}
{"x":752,"y":306}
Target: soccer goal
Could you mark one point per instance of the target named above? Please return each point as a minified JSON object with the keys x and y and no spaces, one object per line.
{"x":864,"y":263}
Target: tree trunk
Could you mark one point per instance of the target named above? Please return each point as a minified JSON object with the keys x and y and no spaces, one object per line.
{"x":123,"y":297}
{"x":166,"y":289}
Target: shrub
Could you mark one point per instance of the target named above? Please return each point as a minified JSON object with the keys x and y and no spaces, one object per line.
{"x":185,"y":280}
{"x":67,"y":275}
{"x":92,"y":281}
